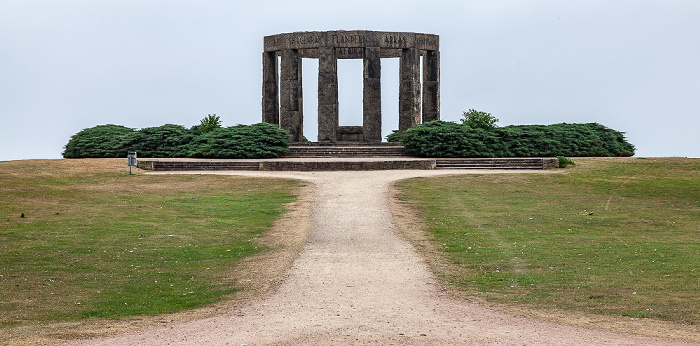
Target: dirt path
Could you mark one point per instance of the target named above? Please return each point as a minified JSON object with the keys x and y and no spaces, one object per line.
{"x":358,"y":282}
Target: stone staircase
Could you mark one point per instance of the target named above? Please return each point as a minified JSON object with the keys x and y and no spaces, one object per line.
{"x":345,"y":150}
{"x":345,"y":156}
{"x":204,"y":165}
{"x":500,"y":163}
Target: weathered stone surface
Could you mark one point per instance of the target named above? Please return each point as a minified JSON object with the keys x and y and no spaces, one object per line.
{"x":350,"y":134}
{"x":270,"y":102}
{"x":343,"y":165}
{"x":431,"y":86}
{"x":370,"y":46}
{"x":350,"y":53}
{"x":291,"y":107}
{"x":409,"y":89}
{"x":327,"y":94}
{"x":346,"y":149}
{"x":372,"y":96}
{"x":351,"y":39}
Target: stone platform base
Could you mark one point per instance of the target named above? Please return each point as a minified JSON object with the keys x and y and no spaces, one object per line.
{"x":343,"y":164}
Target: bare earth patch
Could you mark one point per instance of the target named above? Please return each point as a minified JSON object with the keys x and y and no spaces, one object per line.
{"x":358,"y":281}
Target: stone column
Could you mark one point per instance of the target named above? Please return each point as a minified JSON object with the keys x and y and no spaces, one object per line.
{"x":372,"y":96}
{"x":431,"y":86}
{"x":409,"y":89}
{"x":291,"y":117}
{"x":300,"y":101}
{"x":270,"y":97}
{"x":327,"y":94}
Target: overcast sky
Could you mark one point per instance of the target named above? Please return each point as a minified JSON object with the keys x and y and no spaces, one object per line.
{"x":66,"y":65}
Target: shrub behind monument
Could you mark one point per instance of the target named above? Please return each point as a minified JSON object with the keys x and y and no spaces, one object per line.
{"x":241,"y":141}
{"x":99,"y":141}
{"x":446,"y":139}
{"x":163,"y":141}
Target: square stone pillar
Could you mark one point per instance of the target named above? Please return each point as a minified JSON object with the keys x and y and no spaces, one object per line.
{"x":291,"y":103}
{"x":270,"y":96}
{"x":409,"y":89}
{"x":327,"y":94}
{"x":431,"y":86}
{"x":372,"y":96}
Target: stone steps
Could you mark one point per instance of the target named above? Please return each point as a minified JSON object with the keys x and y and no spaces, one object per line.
{"x":345,"y":151}
{"x":353,"y":163}
{"x":500,"y":163}
{"x":286,"y":165}
{"x":349,"y":165}
{"x":189,"y":165}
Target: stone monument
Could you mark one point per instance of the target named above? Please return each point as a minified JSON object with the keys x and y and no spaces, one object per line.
{"x":282,"y":100}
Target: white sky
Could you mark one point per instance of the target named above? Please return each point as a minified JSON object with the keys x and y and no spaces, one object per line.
{"x":66,"y":65}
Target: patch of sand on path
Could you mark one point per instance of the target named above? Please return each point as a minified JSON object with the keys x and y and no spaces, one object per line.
{"x":357,"y":281}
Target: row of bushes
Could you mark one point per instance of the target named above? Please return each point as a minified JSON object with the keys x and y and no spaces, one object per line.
{"x":447,"y":139}
{"x":236,"y":142}
{"x":432,"y":139}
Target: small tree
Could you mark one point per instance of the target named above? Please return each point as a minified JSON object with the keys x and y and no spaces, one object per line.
{"x":479,"y":120}
{"x":209,"y":123}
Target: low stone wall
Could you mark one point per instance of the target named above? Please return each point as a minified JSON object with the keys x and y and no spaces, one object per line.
{"x":145,"y":164}
{"x":550,"y":162}
{"x":194,"y":165}
{"x":345,"y":165}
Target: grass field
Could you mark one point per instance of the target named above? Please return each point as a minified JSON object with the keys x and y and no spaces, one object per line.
{"x":83,"y":238}
{"x":618,"y":236}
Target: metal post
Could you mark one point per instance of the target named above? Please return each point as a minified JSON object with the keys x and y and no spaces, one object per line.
{"x":131,"y":157}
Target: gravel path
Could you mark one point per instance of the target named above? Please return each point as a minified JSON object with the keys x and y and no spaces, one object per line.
{"x":357,"y":282}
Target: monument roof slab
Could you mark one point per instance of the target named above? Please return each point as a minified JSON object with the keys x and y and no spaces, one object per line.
{"x":351,"y":39}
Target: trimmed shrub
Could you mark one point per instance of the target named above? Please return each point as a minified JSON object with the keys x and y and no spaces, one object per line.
{"x":446,"y":139}
{"x":260,"y":140}
{"x":98,"y":141}
{"x":243,"y":141}
{"x":393,"y":137}
{"x":564,"y":161}
{"x":162,"y":141}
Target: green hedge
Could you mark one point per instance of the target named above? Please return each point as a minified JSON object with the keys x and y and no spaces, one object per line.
{"x":242,"y":141}
{"x":447,"y":139}
{"x":98,"y":141}
{"x":162,"y":141}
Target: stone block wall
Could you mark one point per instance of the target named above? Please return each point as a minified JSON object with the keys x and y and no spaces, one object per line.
{"x":345,"y":165}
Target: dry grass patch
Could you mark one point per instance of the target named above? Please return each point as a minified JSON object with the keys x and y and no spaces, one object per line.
{"x":83,"y":239}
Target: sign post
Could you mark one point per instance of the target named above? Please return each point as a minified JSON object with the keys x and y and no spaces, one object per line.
{"x":132,"y":160}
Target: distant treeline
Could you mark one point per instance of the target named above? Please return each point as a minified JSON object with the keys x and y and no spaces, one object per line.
{"x":236,"y":142}
{"x":447,"y":139}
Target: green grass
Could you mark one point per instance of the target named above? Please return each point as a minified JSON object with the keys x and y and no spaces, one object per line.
{"x":97,"y":242}
{"x":607,"y":236}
